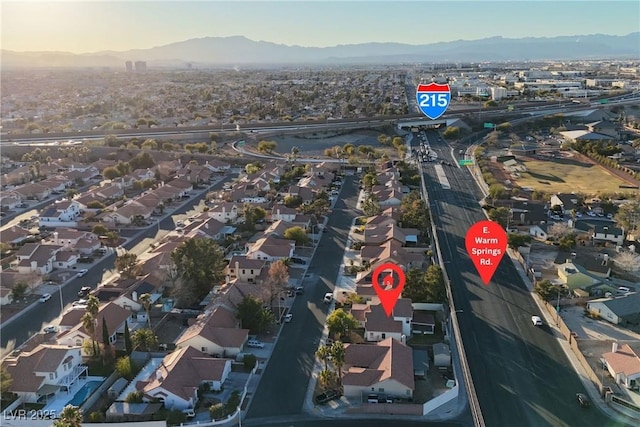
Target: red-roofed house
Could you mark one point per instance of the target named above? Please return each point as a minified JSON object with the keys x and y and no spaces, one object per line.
{"x":216,"y":333}
{"x":38,"y":375}
{"x":385,"y":367}
{"x":176,"y":381}
{"x":624,"y":365}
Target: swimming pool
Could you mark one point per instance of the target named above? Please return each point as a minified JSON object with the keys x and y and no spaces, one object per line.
{"x":84,"y":392}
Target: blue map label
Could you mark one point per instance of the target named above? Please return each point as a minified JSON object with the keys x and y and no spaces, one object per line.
{"x":433,"y":99}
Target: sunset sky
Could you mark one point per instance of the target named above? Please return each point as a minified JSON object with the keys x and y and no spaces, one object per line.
{"x":90,"y":26}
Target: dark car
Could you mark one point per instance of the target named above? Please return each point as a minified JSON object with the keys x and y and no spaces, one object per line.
{"x":583,"y":400}
{"x":298,"y":260}
{"x":299,"y":290}
{"x":327,"y":396}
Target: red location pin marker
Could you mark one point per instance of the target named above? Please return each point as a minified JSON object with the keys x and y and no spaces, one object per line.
{"x":486,"y":243}
{"x":388,"y":293}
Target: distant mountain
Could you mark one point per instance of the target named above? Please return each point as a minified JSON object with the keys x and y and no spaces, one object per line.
{"x":239,"y":50}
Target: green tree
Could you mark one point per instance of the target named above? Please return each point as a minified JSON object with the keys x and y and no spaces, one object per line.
{"x":425,"y":286}
{"x":134,"y":397}
{"x":128,"y":344}
{"x":145,"y":300}
{"x":628,"y":215}
{"x":338,"y":354}
{"x":233,"y":402}
{"x":149,"y":144}
{"x":324,"y":353}
{"x":567,"y":242}
{"x":249,"y":361}
{"x":327,"y":379}
{"x":414,"y":213}
{"x":19,"y":290}
{"x":370,"y":206}
{"x":253,"y":315}
{"x":341,"y":323}
{"x":110,"y":172}
{"x":369,"y":180}
{"x":99,"y":230}
{"x":105,"y":334}
{"x":497,"y":191}
{"x":200,"y":264}
{"x":452,"y":132}
{"x":267,"y":146}
{"x":515,"y":240}
{"x":293,"y":201}
{"x":5,"y":380}
{"x":252,"y":168}
{"x":297,"y":234}
{"x":125,"y":368}
{"x":500,"y":215}
{"x":217,"y":411}
{"x":144,"y":339}
{"x":70,"y":416}
{"x":545,"y":289}
{"x":127,"y":263}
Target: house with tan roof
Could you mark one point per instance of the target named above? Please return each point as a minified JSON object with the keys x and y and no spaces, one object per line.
{"x":10,"y":199}
{"x":378,"y":326}
{"x":282,"y":213}
{"x":176,"y":381}
{"x":69,"y":237}
{"x":270,"y":248}
{"x":209,"y":228}
{"x":384,"y":367}
{"x":114,"y":316}
{"x":44,"y":372}
{"x":245,"y":269}
{"x":129,"y":213}
{"x":33,"y":191}
{"x":216,"y":165}
{"x":305,"y":193}
{"x":36,"y":258}
{"x":14,"y":236}
{"x":60,"y":214}
{"x":391,"y":251}
{"x":216,"y":333}
{"x":225,"y":211}
{"x":624,"y":365}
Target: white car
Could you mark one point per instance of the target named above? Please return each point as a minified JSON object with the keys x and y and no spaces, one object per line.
{"x":328,"y":297}
{"x":255,"y":344}
{"x":80,"y":302}
{"x":82,"y":272}
{"x":50,"y":329}
{"x":45,"y":297}
{"x":536,"y":320}
{"x":288,"y":318}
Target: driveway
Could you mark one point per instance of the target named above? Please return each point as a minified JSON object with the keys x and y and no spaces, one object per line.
{"x":587,"y":328}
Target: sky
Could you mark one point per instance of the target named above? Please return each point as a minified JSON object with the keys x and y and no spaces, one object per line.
{"x":92,"y":26}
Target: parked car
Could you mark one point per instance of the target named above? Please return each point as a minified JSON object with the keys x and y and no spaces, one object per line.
{"x":80,"y":302}
{"x":255,"y":344}
{"x":299,"y":290}
{"x":288,"y":318}
{"x":583,"y":400}
{"x":84,"y":291}
{"x":298,"y":261}
{"x":82,"y":272}
{"x":536,"y":320}
{"x":327,"y":396}
{"x":50,"y":329}
{"x":45,"y":297}
{"x":85,"y":260}
{"x":328,"y":297}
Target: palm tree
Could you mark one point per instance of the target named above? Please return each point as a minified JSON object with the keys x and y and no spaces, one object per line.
{"x":70,"y":416}
{"x":89,"y":323}
{"x":144,"y":338}
{"x":145,"y":299}
{"x":324,"y":353}
{"x":337,"y":351}
{"x":327,"y":379}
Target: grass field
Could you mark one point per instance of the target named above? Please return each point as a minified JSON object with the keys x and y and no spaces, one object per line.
{"x":568,"y":175}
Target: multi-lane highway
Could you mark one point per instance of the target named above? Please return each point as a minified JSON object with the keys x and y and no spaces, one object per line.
{"x":520,"y":373}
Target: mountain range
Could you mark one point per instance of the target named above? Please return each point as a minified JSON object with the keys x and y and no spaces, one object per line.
{"x":239,"y":50}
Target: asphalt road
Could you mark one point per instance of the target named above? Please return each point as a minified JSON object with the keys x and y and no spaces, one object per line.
{"x":283,"y":386}
{"x":521,"y":375}
{"x":305,"y":421}
{"x":34,"y":320}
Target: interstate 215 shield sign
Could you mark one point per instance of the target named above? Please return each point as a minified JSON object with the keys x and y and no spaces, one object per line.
{"x":433,"y":99}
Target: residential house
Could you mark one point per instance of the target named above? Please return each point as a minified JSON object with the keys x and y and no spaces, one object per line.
{"x":129,"y":213}
{"x":575,"y":276}
{"x":606,"y":233}
{"x":10,"y":199}
{"x":143,"y":174}
{"x":567,"y":202}
{"x":270,"y":248}
{"x":539,"y":231}
{"x":32,"y":191}
{"x":391,"y":251}
{"x":69,"y":237}
{"x":624,"y":365}
{"x":306,"y":194}
{"x":623,"y":310}
{"x":384,"y":367}
{"x":45,"y":372}
{"x":283,"y":213}
{"x":209,"y":228}
{"x":65,"y":259}
{"x":36,"y":258}
{"x":225,"y":212}
{"x":15,"y":236}
{"x":115,"y":318}
{"x":245,"y":269}
{"x":177,"y":380}
{"x":216,"y":333}
{"x":378,"y":326}
{"x":60,"y":214}
{"x":216,"y":165}
{"x":604,"y":127}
